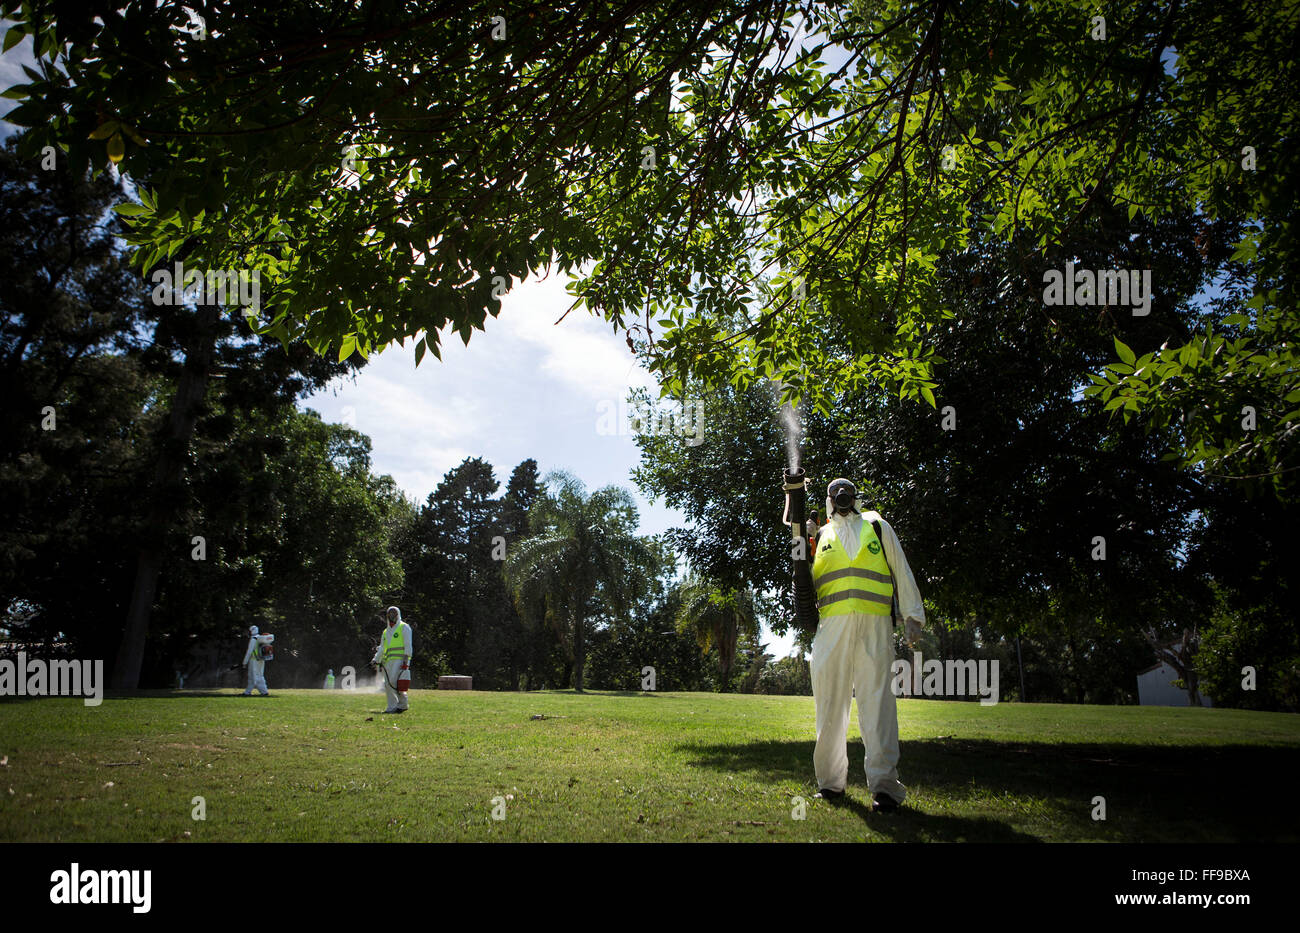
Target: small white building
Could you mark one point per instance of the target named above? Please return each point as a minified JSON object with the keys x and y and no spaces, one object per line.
{"x":1156,"y":688}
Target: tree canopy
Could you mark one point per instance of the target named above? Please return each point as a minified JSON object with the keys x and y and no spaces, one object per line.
{"x":748,"y":190}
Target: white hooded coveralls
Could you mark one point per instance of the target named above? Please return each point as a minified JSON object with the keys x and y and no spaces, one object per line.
{"x":256,"y":668}
{"x":393,"y":667}
{"x":854,"y":652}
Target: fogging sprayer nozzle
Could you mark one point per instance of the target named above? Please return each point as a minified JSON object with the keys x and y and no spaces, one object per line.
{"x":796,"y":513}
{"x":796,"y":495}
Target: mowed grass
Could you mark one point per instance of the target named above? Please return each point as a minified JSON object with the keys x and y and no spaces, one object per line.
{"x":307,"y":765}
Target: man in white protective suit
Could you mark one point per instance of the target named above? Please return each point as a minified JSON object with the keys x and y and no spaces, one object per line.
{"x":256,"y":666}
{"x":858,"y":571}
{"x":393,"y":657}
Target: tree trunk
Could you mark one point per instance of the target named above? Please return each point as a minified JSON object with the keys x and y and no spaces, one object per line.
{"x":579,"y":652}
{"x":1075,"y":676}
{"x":165,"y":494}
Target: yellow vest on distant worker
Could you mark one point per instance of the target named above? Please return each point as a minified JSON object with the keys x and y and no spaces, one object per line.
{"x":863,"y":584}
{"x":393,"y":647}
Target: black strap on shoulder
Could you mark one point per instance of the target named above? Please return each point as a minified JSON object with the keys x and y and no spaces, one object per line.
{"x":893,"y":609}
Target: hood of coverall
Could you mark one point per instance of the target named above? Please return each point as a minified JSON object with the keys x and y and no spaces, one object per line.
{"x":393,"y":616}
{"x":253,"y":630}
{"x":847,"y":528}
{"x":841,"y":486}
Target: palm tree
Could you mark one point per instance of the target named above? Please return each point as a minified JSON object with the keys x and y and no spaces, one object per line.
{"x":717,"y":617}
{"x":582,"y":560}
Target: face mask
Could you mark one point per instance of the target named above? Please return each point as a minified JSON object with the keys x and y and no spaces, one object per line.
{"x":844,"y":496}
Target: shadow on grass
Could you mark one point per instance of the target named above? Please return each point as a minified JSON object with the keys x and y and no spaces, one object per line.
{"x":1154,"y":793}
{"x":112,"y":695}
{"x":207,"y":693}
{"x":912,"y":825}
{"x":654,"y":695}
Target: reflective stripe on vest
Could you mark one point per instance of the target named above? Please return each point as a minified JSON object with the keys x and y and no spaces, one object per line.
{"x":863,"y":584}
{"x":393,"y":642}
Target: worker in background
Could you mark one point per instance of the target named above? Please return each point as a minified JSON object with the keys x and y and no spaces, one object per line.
{"x":329,"y":680}
{"x":859,"y":571}
{"x":393,"y":658}
{"x":255,"y":664}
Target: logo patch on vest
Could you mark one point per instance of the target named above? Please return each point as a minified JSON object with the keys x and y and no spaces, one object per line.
{"x":873,"y":547}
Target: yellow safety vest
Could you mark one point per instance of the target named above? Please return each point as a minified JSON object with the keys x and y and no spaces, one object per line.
{"x":393,"y":647}
{"x":863,"y":584}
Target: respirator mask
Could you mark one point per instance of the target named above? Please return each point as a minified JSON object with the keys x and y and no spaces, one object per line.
{"x":842,"y":496}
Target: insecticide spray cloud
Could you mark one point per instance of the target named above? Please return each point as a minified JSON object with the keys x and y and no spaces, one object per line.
{"x":791,"y":419}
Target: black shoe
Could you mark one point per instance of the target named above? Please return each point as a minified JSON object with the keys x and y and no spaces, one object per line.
{"x":883,"y":803}
{"x":399,"y":710}
{"x":827,"y":794}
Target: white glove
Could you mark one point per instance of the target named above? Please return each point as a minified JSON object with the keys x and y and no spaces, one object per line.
{"x":912,"y":627}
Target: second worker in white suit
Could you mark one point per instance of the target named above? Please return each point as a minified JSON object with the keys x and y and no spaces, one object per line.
{"x":256,"y":665}
{"x":393,"y":657}
{"x":856,"y":576}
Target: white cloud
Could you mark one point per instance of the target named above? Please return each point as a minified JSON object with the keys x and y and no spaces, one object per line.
{"x":582,"y":350}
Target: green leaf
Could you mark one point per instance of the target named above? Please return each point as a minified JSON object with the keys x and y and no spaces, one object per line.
{"x":104,"y":130}
{"x":116,"y":148}
{"x":1125,"y":354}
{"x":13,"y":36}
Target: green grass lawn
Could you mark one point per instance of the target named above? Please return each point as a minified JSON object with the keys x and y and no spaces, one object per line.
{"x":309,"y":765}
